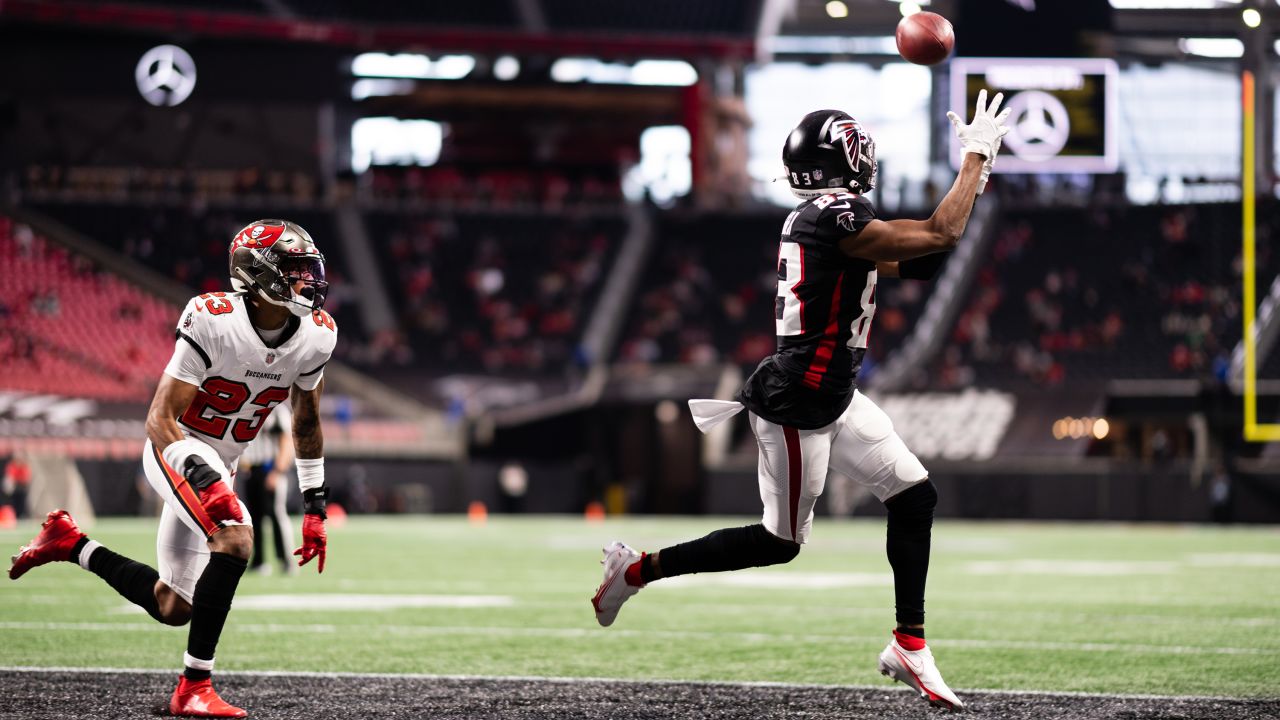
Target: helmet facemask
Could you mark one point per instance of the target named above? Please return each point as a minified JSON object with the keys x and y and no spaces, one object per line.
{"x":278,"y":262}
{"x":282,"y":287}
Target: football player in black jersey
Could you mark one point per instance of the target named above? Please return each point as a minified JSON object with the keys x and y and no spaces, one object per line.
{"x":805,"y":410}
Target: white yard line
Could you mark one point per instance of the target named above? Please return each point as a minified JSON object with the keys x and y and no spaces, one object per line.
{"x":573,"y":633}
{"x":571,"y":680}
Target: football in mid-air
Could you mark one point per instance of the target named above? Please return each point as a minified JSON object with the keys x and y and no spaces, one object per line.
{"x":925,"y":38}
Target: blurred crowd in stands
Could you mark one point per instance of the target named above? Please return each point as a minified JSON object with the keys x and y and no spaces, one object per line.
{"x":483,"y":292}
{"x":708,"y":295}
{"x":550,"y":190}
{"x":1064,"y":295}
{"x":66,"y":327}
{"x":1122,"y":292}
{"x":136,"y":184}
{"x":495,"y":293}
{"x":442,"y":187}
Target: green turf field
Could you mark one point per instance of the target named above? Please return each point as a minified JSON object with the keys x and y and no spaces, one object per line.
{"x":1075,"y":607}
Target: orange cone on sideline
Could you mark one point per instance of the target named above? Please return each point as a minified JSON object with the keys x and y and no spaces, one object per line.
{"x":477,"y":513}
{"x":337,"y":515}
{"x":8,"y":519}
{"x":594,"y":512}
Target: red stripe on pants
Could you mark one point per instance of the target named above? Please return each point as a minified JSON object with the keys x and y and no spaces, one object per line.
{"x":795,"y":471}
{"x":186,"y":496}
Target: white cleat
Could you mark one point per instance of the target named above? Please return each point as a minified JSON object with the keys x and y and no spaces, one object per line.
{"x":918,"y":670}
{"x":614,"y":590}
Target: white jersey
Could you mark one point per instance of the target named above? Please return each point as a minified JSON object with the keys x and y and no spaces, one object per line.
{"x":266,"y":446}
{"x":241,"y":380}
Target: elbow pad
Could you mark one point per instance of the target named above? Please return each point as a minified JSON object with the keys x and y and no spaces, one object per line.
{"x":922,"y":268}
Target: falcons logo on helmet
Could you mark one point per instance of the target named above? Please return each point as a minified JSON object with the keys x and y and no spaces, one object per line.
{"x":849,"y":134}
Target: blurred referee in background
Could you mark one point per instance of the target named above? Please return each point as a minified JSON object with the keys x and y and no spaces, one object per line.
{"x":265,"y":467}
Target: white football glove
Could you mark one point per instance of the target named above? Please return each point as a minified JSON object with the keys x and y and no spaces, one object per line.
{"x":982,"y":136}
{"x":986,"y":168}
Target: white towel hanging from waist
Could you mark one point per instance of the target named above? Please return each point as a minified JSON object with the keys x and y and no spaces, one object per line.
{"x":709,"y":413}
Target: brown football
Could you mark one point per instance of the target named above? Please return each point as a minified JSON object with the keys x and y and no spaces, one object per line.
{"x":925,"y":38}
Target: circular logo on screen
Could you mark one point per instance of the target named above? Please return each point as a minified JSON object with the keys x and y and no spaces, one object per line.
{"x":1038,"y":126}
{"x":166,"y":75}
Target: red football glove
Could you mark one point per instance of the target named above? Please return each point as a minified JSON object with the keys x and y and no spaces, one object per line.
{"x":314,"y":540}
{"x":217,"y":497}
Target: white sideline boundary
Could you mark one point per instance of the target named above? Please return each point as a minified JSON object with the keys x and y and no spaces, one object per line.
{"x":575,"y":633}
{"x":602,"y":680}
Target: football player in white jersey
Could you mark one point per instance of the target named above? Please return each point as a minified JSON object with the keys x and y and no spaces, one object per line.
{"x":236,"y":357}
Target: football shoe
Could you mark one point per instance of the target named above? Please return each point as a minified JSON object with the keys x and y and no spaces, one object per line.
{"x":917,"y":669}
{"x":197,"y":698}
{"x":615,"y":589}
{"x":58,"y":535}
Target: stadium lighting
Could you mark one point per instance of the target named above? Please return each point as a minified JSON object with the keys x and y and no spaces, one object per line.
{"x":1251,"y":17}
{"x":1212,"y":47}
{"x":832,"y":44}
{"x":645,"y":72}
{"x":395,"y":66}
{"x":1076,"y":428}
{"x":663,"y":72}
{"x":392,"y":141}
{"x":1171,"y":4}
{"x":908,"y":8}
{"x":412,"y":66}
{"x":665,"y":169}
{"x":837,"y":9}
{"x":506,"y":68}
{"x":376,"y":87}
{"x":1101,"y":428}
{"x":667,"y":412}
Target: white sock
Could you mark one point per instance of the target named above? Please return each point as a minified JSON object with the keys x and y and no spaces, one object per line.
{"x":86,"y":551}
{"x":196,"y":663}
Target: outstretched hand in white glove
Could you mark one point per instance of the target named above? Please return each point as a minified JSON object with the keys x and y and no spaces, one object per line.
{"x":982,"y":135}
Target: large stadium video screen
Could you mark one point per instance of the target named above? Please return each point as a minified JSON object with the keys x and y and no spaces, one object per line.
{"x":1063,"y":117}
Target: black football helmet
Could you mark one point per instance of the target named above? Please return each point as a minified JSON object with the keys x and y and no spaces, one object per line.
{"x":829,"y":151}
{"x":269,"y":257}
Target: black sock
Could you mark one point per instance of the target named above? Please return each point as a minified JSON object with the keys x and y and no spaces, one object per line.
{"x":728,"y":549}
{"x":75,"y":549}
{"x":912,"y":631}
{"x":134,"y":581}
{"x":907,"y":545}
{"x":209,"y":607}
{"x":647,"y":575}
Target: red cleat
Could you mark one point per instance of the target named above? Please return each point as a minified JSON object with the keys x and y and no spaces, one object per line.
{"x":198,"y":699}
{"x":58,"y":535}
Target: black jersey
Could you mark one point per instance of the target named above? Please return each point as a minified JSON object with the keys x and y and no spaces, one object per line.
{"x":823,"y":312}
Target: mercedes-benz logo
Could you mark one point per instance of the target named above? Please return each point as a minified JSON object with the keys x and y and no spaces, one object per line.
{"x":166,"y":75}
{"x":1039,"y":126}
